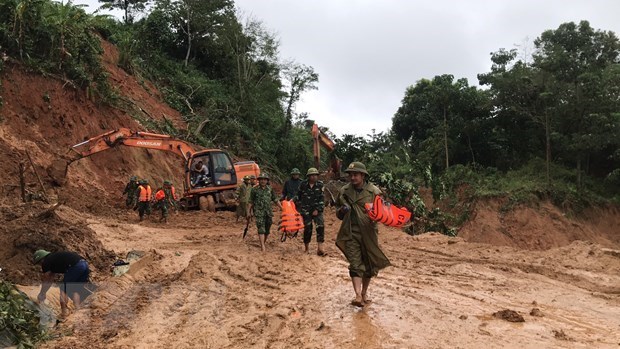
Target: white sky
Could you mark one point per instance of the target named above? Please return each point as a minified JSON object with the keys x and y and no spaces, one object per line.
{"x":368,"y":51}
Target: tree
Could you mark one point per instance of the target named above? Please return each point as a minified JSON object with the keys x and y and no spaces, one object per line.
{"x":129,"y":7}
{"x":300,"y":78}
{"x":577,"y":57}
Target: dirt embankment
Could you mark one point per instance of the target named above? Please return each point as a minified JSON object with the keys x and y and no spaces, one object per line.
{"x":45,"y":117}
{"x":541,"y":227}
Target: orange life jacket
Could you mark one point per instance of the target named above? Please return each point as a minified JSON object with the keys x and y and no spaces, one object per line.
{"x":145,"y":193}
{"x":386,"y":213}
{"x":174,"y":196}
{"x":160,"y":195}
{"x":291,"y":219}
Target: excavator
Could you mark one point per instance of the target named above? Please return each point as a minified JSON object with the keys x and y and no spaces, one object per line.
{"x":321,"y":139}
{"x":210,"y":180}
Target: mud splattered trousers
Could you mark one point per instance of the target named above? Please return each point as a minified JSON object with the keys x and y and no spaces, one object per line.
{"x":356,"y":254}
{"x":130,"y":201}
{"x":163,"y":206}
{"x":320,"y":227}
{"x":263,"y":224}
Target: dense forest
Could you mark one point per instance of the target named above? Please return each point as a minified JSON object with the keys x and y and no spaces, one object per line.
{"x":545,"y":125}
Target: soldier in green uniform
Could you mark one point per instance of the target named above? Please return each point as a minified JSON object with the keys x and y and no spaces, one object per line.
{"x":291,"y":186}
{"x":171,"y":196}
{"x":261,"y":198}
{"x":243,"y":195}
{"x":166,"y":202}
{"x":252,"y":181}
{"x":131,"y":189}
{"x":358,"y":234}
{"x":310,"y":202}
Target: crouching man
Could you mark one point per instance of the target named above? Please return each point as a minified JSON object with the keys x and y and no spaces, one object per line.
{"x":75,"y":276}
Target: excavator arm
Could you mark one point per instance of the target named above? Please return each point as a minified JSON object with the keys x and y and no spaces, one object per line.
{"x":321,"y":139}
{"x":127,"y":137}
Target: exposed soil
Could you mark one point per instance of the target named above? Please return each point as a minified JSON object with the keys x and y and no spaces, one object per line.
{"x":198,"y":284}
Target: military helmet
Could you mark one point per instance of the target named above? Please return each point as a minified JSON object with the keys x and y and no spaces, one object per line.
{"x":133,"y":178}
{"x":144,"y":181}
{"x":253,"y":177}
{"x":246,"y":178}
{"x":357,"y":166}
{"x":39,"y":255}
{"x":295,"y":171}
{"x":263,"y":176}
{"x":167,"y":182}
{"x":312,"y":171}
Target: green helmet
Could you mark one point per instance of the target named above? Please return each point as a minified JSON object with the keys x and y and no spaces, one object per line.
{"x":295,"y":171}
{"x":246,"y":178}
{"x":144,"y":181}
{"x":39,"y":255}
{"x":312,"y":171}
{"x":252,"y":177}
{"x":357,"y":166}
{"x":133,"y":178}
{"x":167,"y":182}
{"x":263,"y":176}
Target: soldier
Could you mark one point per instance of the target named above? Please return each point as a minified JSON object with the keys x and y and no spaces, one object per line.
{"x":310,"y":202}
{"x":291,"y":186}
{"x":76,"y":276}
{"x":358,"y":235}
{"x":252,"y":181}
{"x":165,"y":199}
{"x":130,"y":190}
{"x":243,"y":195}
{"x":144,"y":199}
{"x":261,"y":198}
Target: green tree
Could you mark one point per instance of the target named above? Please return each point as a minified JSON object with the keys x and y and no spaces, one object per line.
{"x":578,"y":57}
{"x":129,"y":7}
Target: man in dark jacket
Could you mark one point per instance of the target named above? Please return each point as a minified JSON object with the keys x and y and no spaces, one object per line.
{"x":291,"y":186}
{"x":76,"y":276}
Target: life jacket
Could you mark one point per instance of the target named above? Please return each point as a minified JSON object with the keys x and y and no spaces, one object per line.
{"x":160,"y":195}
{"x":291,"y":219}
{"x":145,"y":193}
{"x":386,"y":213}
{"x":174,"y":196}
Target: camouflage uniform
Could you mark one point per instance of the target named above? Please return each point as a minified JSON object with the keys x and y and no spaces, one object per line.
{"x":243,"y":194}
{"x":261,"y":199}
{"x":130,"y":189}
{"x":167,"y":202}
{"x":307,"y":200}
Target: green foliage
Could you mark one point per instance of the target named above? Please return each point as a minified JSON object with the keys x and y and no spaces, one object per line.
{"x":19,"y":318}
{"x":55,"y":38}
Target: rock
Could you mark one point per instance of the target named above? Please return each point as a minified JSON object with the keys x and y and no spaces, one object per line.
{"x":509,"y":315}
{"x":536,"y":312}
{"x":463,"y":317}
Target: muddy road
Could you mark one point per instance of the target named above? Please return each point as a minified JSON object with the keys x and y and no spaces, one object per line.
{"x":198,"y":285}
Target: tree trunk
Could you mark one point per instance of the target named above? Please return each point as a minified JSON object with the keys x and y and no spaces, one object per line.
{"x":471,"y":150}
{"x":189,"y":37}
{"x":445,"y":135}
{"x":548,"y":148}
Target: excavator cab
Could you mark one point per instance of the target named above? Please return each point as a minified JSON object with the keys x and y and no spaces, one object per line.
{"x":210,"y":168}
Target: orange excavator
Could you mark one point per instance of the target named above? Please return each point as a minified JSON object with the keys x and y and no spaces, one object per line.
{"x":210,"y":180}
{"x":321,"y":139}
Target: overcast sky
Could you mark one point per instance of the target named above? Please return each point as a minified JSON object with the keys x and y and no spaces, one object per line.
{"x":367,"y":52}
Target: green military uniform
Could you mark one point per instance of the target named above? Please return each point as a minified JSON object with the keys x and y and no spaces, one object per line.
{"x":131,"y":189}
{"x":261,"y":199}
{"x":307,"y":200}
{"x":358,"y":234}
{"x":167,"y":202}
{"x":243,"y":194}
